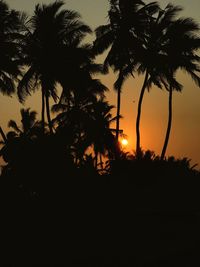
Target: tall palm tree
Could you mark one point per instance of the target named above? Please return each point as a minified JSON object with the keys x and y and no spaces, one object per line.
{"x":151,"y":58}
{"x":181,"y":50}
{"x":127,"y":20}
{"x":11,"y":26}
{"x":159,"y":57}
{"x":51,"y":38}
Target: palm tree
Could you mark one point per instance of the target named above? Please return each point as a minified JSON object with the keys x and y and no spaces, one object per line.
{"x":75,"y":109}
{"x":11,"y":25}
{"x":98,"y":132}
{"x":158,"y":57}
{"x":151,"y":57}
{"x":51,"y":40}
{"x":127,"y":21}
{"x":181,"y":50}
{"x":29,"y":127}
{"x":18,"y":138}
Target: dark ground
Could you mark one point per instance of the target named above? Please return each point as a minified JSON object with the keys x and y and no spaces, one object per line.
{"x":128,"y":219}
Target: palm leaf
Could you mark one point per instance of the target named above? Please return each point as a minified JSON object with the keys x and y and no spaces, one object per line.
{"x":27,"y":83}
{"x":12,"y":124}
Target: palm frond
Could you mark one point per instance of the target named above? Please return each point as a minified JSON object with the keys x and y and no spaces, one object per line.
{"x":7,"y":85}
{"x":104,"y":38}
{"x":194,"y":77}
{"x":12,"y":124}
{"x":97,"y":87}
{"x":28,"y":83}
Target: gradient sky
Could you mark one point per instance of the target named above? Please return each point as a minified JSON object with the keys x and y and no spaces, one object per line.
{"x":185,"y":134}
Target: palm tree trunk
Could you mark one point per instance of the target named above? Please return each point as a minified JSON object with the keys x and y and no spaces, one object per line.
{"x":169,"y":125}
{"x":48,"y":114}
{"x":138,"y":148}
{"x":3,"y":135}
{"x":43,"y":109}
{"x":118,"y":113}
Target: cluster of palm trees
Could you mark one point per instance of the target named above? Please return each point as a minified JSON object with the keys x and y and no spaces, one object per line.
{"x":49,"y":50}
{"x":148,"y":40}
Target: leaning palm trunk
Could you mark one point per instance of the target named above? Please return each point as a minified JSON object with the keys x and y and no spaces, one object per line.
{"x":3,"y":135}
{"x":48,"y":114}
{"x":138,"y":148}
{"x":118,"y":113}
{"x":169,"y":124}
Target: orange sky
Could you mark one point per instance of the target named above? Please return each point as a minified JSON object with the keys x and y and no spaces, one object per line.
{"x":184,"y":140}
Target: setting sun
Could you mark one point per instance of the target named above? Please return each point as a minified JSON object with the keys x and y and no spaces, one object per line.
{"x":124,"y":142}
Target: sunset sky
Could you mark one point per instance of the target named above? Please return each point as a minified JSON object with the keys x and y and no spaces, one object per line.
{"x":185,"y":134}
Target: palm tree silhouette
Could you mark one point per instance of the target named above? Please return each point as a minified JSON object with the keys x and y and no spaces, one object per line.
{"x":77,"y":108}
{"x":126,"y":22}
{"x":151,"y":58}
{"x":98,"y":132}
{"x":116,"y":36}
{"x":159,"y":59}
{"x":29,"y":130}
{"x":49,"y":42}
{"x":29,"y":127}
{"x":11,"y":26}
{"x":181,"y":50}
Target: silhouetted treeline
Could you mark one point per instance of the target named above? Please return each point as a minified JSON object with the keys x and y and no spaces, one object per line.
{"x":142,"y":211}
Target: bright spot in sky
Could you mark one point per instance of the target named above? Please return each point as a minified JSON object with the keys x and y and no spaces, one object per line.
{"x":124,"y":142}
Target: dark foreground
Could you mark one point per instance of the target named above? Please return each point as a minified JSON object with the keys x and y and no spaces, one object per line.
{"x":134,"y":216}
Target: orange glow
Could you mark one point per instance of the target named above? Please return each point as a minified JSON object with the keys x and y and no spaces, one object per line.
{"x":124,"y":142}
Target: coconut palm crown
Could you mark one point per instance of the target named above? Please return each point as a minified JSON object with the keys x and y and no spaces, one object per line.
{"x":51,"y":37}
